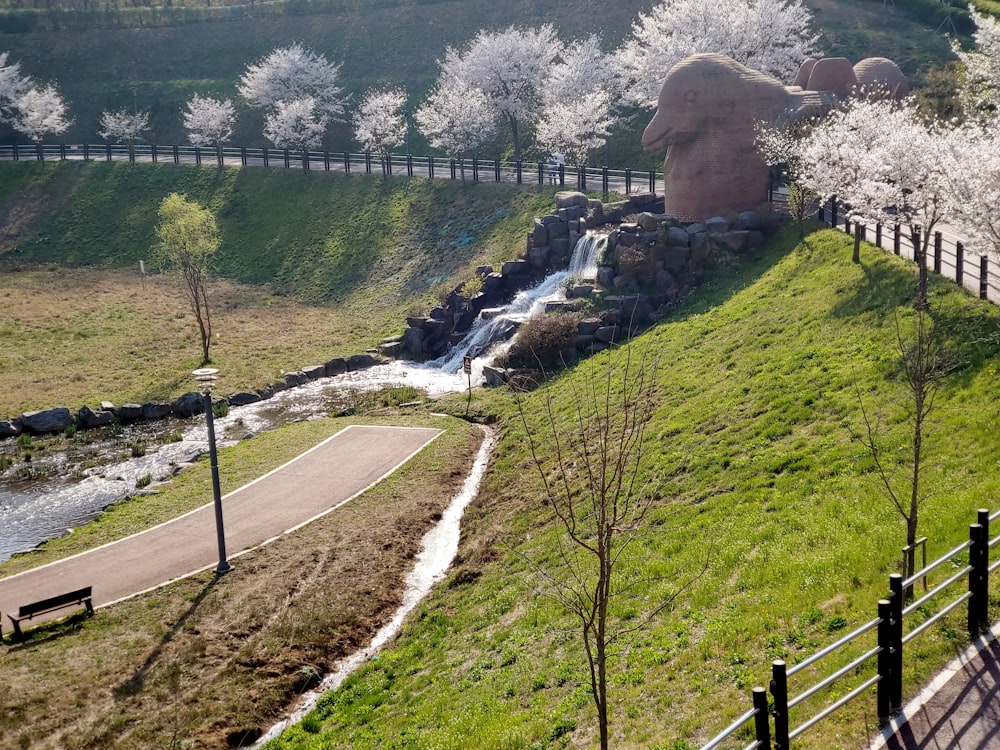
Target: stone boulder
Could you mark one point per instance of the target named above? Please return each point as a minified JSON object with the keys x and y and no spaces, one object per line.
{"x":567,"y":198}
{"x":90,"y":418}
{"x":189,"y":404}
{"x":362,"y":361}
{"x":46,"y":420}
{"x":129,"y":412}
{"x":156,"y":409}
{"x":336,"y":366}
{"x":315,"y":372}
{"x":243,"y":398}
{"x":10,"y":428}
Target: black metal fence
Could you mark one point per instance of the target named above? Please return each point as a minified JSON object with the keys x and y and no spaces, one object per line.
{"x":881,"y":664}
{"x":946,"y":255}
{"x":474,"y":169}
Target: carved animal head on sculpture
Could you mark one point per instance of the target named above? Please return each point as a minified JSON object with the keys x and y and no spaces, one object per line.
{"x":705,"y":118}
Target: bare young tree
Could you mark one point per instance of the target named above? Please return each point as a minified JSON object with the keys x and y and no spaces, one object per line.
{"x":925,"y":360}
{"x":600,"y":487}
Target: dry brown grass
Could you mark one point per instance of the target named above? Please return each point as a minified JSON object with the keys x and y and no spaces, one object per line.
{"x":204,"y":662}
{"x":83,"y":335}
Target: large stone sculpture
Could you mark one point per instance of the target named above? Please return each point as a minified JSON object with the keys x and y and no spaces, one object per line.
{"x":705,"y":118}
{"x":881,"y":76}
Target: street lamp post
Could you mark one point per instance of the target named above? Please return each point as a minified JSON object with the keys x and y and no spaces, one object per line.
{"x":206,"y":377}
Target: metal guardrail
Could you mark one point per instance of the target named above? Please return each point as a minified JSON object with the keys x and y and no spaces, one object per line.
{"x":888,"y":652}
{"x":473,"y":169}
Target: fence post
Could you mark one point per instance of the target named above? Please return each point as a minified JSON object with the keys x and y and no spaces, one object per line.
{"x":833,"y":211}
{"x":177,"y":156}
{"x":62,"y":152}
{"x":430,"y":167}
{"x":604,"y":179}
{"x":937,"y":252}
{"x":896,"y":238}
{"x":107,"y":150}
{"x":496,"y":170}
{"x":326,"y":161}
{"x":518,"y":166}
{"x":878,"y":235}
{"x":979,"y":557}
{"x":779,"y":691}
{"x":39,"y":153}
{"x":895,"y":642}
{"x":264,"y":153}
{"x":859,"y":234}
{"x":959,"y":262}
{"x":761,"y":725}
{"x":409,"y":165}
{"x":475,"y":169}
{"x":847,"y":224}
{"x":286,"y":157}
{"x":984,"y":276}
{"x":628,"y":181}
{"x":562,"y":175}
{"x":652,"y":180}
{"x":153,"y":153}
{"x":452,"y":165}
{"x":884,"y":661}
{"x":388,"y":164}
{"x":197,"y":155}
{"x":984,"y":601}
{"x":86,"y":152}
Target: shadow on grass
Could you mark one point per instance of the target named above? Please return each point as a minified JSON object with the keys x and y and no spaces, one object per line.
{"x":48,"y":631}
{"x":135,"y":683}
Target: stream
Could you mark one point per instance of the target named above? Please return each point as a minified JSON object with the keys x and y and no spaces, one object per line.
{"x":59,"y":491}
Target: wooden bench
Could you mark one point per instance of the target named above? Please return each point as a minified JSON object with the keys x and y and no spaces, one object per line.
{"x":41,"y":607}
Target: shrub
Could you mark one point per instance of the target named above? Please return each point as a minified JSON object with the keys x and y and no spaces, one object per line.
{"x":138,"y":449}
{"x":144,"y":481}
{"x":544,"y":341}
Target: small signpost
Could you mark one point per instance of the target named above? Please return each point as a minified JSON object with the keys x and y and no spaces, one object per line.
{"x":467,"y":369}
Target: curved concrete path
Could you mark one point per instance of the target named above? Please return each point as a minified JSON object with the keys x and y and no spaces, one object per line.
{"x":959,"y":710}
{"x":307,"y":487}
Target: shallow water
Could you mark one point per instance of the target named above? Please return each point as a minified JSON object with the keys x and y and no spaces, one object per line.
{"x":77,"y":485}
{"x":438,"y":549}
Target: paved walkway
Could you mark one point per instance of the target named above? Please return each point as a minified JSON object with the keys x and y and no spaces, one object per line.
{"x":959,"y":710}
{"x":311,"y":485}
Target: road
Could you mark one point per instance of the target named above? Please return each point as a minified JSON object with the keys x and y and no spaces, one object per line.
{"x":308,"y":487}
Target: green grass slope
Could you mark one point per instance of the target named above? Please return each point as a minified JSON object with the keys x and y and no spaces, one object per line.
{"x":320,"y":237}
{"x":758,"y":382}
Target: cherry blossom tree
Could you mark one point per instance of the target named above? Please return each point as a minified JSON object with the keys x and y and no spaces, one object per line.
{"x":298,"y":89}
{"x":13,"y":86}
{"x":124,"y":127}
{"x":456,"y":118}
{"x":41,"y":110}
{"x":773,"y":36}
{"x":881,"y":159}
{"x":508,"y":67}
{"x":974,"y":185}
{"x":380,"y":123}
{"x":209,"y":122}
{"x":297,"y":125}
{"x":579,"y":102}
{"x":979,"y":91}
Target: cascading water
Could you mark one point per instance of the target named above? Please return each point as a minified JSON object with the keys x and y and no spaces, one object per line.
{"x":32,"y":512}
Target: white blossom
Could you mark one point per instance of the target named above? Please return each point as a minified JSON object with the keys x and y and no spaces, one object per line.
{"x":456,"y":118}
{"x":209,"y":122}
{"x":772,"y":36}
{"x":40,"y":110}
{"x":290,"y":74}
{"x":975,"y":186}
{"x":576,"y":126}
{"x":979,"y":91}
{"x":123,"y":126}
{"x":297,"y":125}
{"x":380,"y":123}
{"x":579,"y":100}
{"x":12,"y":86}
{"x":508,"y":68}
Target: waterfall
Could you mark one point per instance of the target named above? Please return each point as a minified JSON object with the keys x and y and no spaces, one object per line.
{"x":486,"y":332}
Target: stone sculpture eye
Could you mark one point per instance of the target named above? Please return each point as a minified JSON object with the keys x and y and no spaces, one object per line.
{"x":691,"y":96}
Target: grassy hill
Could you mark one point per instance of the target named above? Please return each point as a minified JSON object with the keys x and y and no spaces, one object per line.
{"x":157,"y":67}
{"x":760,"y":373}
{"x":336,"y":261}
{"x":759,"y":382}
